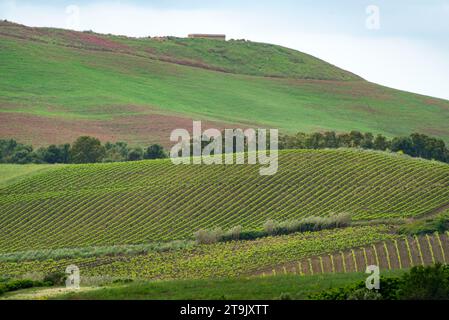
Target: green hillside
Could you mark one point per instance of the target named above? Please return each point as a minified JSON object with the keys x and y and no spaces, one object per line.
{"x":220,"y":260}
{"x":59,"y":84}
{"x":136,"y":202}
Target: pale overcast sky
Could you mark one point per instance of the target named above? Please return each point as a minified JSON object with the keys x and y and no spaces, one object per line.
{"x":402,"y":44}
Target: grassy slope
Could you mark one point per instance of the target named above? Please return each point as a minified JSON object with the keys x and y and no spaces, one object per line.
{"x":11,"y":173}
{"x":269,"y":288}
{"x":124,"y":203}
{"x":53,"y":77}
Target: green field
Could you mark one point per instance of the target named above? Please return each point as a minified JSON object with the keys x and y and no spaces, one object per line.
{"x":221,"y":260}
{"x":80,"y":83}
{"x":136,"y":220}
{"x":138,"y":202}
{"x":268,"y":288}
{"x":9,"y":173}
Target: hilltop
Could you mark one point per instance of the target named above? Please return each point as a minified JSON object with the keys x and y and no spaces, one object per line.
{"x":62,"y":84}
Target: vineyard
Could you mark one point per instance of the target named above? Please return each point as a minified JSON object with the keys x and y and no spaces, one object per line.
{"x":220,"y":260}
{"x":140,"y":202}
{"x":399,"y":253}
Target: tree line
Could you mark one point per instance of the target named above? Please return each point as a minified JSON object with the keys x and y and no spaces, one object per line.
{"x":91,"y":150}
{"x":83,"y":150}
{"x":415,"y":145}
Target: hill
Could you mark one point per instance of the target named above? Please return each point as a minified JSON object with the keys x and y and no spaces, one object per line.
{"x":61,"y":84}
{"x":137,"y":202}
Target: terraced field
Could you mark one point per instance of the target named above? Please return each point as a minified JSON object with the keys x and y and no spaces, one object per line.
{"x":396,"y":254}
{"x":129,"y":203}
{"x":222,"y":260}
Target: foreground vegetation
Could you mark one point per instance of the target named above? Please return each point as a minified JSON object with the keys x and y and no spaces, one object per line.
{"x":258,"y":288}
{"x":421,"y":283}
{"x":417,"y":283}
{"x":221,"y":260}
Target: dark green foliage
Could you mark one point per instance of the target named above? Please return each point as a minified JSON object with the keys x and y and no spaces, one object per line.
{"x":55,"y":154}
{"x":155,"y":151}
{"x":90,"y":150}
{"x":416,"y":145}
{"x":421,"y":283}
{"x":272,"y":228}
{"x":135,"y":154}
{"x":116,"y":152}
{"x":13,"y":152}
{"x":87,"y":150}
{"x":438,"y":224}
{"x":381,"y":143}
{"x":122,"y":281}
{"x":14,"y":285}
{"x":425,"y":283}
{"x":55,"y":278}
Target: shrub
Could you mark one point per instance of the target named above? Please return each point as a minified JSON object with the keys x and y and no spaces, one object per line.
{"x":87,"y":150}
{"x":425,"y":283}
{"x":155,"y":151}
{"x":271,"y":227}
{"x":427,"y":226}
{"x":209,"y":236}
{"x":233,"y":234}
{"x":14,"y":285}
{"x":421,"y":283}
{"x":285,"y":296}
{"x":55,"y":278}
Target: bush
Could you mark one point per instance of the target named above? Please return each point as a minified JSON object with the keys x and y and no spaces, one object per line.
{"x":425,"y":283}
{"x":233,"y":233}
{"x":55,"y":278}
{"x":421,"y":283}
{"x":438,"y":224}
{"x":14,"y":285}
{"x":135,"y":154}
{"x":155,"y":151}
{"x":209,"y":236}
{"x":285,"y":296}
{"x":87,"y":150}
{"x":271,"y":227}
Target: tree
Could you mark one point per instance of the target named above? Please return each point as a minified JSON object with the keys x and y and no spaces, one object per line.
{"x":356,"y":138}
{"x":403,"y":144}
{"x":22,"y":154}
{"x":56,"y":154}
{"x":367,"y":142}
{"x":6,"y":149}
{"x":381,"y":143}
{"x":315,"y":141}
{"x":116,"y":152}
{"x":425,"y":283}
{"x":135,"y":154}
{"x":155,"y":151}
{"x":87,"y":150}
{"x":330,"y":140}
{"x":344,"y":140}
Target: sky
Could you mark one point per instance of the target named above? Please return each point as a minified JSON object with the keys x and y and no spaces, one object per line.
{"x":402,"y":44}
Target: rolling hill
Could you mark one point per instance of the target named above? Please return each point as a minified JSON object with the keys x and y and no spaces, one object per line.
{"x":141,"y":202}
{"x":61,"y":84}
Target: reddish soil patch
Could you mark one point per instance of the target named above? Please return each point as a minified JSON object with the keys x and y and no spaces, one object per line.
{"x":186,"y":62}
{"x":136,"y":129}
{"x":93,"y":40}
